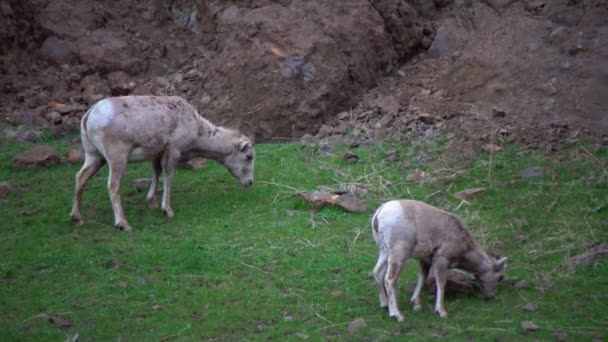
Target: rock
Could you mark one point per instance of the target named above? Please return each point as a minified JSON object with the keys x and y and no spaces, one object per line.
{"x":469,"y":193}
{"x":426,"y":118}
{"x":605,"y":140}
{"x":391,"y":155}
{"x":356,"y":325}
{"x":54,"y":117}
{"x":350,"y":158}
{"x":301,"y":336}
{"x":5,"y":189}
{"x":491,"y":148}
{"x":528,"y":326}
{"x":306,"y":140}
{"x":534,"y":171}
{"x":450,"y":37}
{"x":520,"y":284}
{"x":529,"y":307}
{"x":40,"y":155}
{"x":560,"y":335}
{"x":75,"y":156}
{"x":326,"y":148}
{"x":498,"y":112}
{"x":337,"y":293}
{"x":141,"y":184}
{"x":417,"y":176}
{"x":57,"y":51}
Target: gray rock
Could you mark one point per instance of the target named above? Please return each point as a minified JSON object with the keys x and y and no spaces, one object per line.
{"x":5,"y":189}
{"x":534,"y":171}
{"x":356,"y":325}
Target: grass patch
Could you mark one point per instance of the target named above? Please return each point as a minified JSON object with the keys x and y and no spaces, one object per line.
{"x":258,"y":263}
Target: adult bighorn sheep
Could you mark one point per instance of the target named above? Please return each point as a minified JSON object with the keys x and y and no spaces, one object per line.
{"x":162,"y":129}
{"x":406,"y":229}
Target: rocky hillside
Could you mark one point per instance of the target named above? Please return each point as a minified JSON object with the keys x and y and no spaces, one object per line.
{"x":283,"y":68}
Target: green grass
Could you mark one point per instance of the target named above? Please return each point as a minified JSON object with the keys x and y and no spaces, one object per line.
{"x":259,"y":263}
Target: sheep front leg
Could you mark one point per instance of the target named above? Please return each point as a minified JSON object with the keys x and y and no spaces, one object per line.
{"x":422,"y":274}
{"x":169,"y":160}
{"x":151,"y":197}
{"x":440,"y":271}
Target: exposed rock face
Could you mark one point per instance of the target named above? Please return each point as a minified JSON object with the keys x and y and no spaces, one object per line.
{"x":316,"y":58}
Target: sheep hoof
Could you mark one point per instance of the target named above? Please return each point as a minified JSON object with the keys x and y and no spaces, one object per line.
{"x":153,"y":202}
{"x":77,"y":219}
{"x":441,"y":313}
{"x":124,"y":226}
{"x":168,"y":212}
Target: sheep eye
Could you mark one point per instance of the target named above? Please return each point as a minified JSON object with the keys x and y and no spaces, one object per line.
{"x":249,"y":157}
{"x":500,"y":278}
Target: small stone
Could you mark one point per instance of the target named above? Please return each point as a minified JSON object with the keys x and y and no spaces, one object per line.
{"x":142,"y":183}
{"x":391,"y":155}
{"x":205,"y":100}
{"x":521,"y":284}
{"x":560,"y":335}
{"x":498,"y":113}
{"x":306,"y":140}
{"x":528,"y":326}
{"x":75,"y":156}
{"x":492,"y":148}
{"x":605,"y":140}
{"x":301,"y":336}
{"x":123,"y":284}
{"x":337,"y":293}
{"x":469,"y":193}
{"x":529,"y":307}
{"x":417,"y":176}
{"x":534,"y":171}
{"x":5,"y":189}
{"x":350,"y":158}
{"x":426,"y":118}
{"x":326,"y":148}
{"x":40,"y":155}
{"x":356,"y":325}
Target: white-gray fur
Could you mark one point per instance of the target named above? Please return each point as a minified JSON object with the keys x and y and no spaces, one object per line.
{"x":405,"y":229}
{"x":163,"y":129}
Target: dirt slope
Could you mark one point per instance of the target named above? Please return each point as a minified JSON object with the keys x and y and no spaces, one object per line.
{"x":531,"y":70}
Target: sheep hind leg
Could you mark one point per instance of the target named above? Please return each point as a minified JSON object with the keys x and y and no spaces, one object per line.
{"x":152,"y":197}
{"x":379,"y":274}
{"x":395,"y":265}
{"x":92,"y":163}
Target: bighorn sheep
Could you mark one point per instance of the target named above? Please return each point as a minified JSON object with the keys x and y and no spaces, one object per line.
{"x":158,"y":128}
{"x":406,"y":229}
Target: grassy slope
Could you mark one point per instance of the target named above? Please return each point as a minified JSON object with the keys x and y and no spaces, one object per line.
{"x":258,"y":263}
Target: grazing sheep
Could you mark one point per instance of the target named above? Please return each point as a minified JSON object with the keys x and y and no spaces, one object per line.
{"x":162,"y":129}
{"x":406,"y":229}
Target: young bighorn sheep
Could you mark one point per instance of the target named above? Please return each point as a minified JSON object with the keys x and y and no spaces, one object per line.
{"x":157,"y":128}
{"x":406,"y":229}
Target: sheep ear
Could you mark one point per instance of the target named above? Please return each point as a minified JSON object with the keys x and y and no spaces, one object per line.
{"x":500,"y":263}
{"x":244,"y":145}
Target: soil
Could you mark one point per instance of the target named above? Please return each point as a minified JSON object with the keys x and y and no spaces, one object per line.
{"x":490,"y":71}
